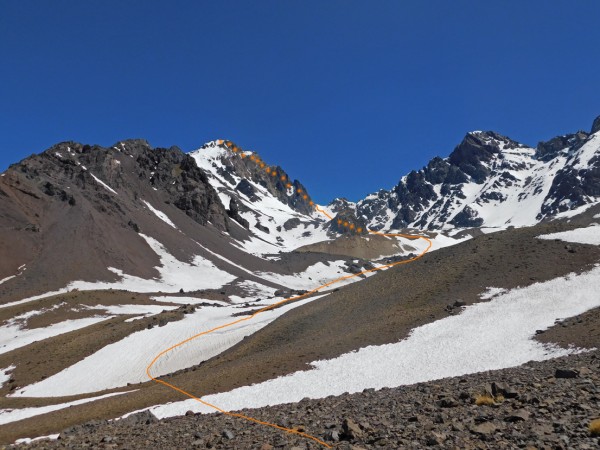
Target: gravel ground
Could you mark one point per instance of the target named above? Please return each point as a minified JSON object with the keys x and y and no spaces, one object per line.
{"x":541,"y":405}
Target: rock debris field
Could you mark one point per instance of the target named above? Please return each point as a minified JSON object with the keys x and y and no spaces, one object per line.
{"x":541,"y":405}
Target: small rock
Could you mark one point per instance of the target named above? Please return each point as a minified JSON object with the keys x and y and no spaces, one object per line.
{"x":189,"y":413}
{"x":519,"y":415}
{"x":459,"y":304}
{"x":332,"y":435}
{"x":448,"y":402}
{"x":484,"y":428}
{"x":228,"y":434}
{"x":504,"y":390}
{"x":351,"y":429}
{"x":435,"y":439}
{"x":566,"y":373}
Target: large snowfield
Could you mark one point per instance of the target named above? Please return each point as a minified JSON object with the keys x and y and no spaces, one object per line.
{"x":470,"y":342}
{"x":125,"y":361}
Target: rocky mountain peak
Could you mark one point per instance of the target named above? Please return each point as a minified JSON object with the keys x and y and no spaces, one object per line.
{"x":548,"y":150}
{"x":341,"y":204}
{"x":345,"y":222}
{"x":106,"y":177}
{"x":596,"y":125}
{"x":491,"y":180}
{"x":232,"y":168}
{"x":473,"y":155}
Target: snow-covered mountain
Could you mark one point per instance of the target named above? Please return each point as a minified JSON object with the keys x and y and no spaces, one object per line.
{"x":129,"y":216}
{"x":491,"y":181}
{"x":277,"y":211}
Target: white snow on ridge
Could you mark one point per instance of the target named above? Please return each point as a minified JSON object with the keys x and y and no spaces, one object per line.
{"x":161,"y":215}
{"x":453,"y":346}
{"x":103,"y":184}
{"x":589,"y":235}
{"x":125,"y":361}
{"x":12,"y":415}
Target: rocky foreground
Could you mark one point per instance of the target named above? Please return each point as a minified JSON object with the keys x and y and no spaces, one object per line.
{"x":541,"y":405}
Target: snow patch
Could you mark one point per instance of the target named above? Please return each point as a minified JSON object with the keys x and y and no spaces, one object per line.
{"x":50,"y":437}
{"x":4,"y":375}
{"x":161,"y":215}
{"x":173,"y":275}
{"x":187,"y":300}
{"x":589,"y":235}
{"x":491,"y":293}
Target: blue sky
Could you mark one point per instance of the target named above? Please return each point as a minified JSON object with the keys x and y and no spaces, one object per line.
{"x":347,"y":96}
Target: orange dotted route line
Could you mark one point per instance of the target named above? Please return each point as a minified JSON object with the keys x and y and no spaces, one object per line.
{"x":267,"y":308}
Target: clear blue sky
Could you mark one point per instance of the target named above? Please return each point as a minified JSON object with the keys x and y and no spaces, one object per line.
{"x":347,"y":96}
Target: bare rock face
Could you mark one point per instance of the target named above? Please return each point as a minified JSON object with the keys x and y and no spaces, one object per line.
{"x":234,"y":213}
{"x":74,"y":210}
{"x":345,"y":222}
{"x":596,"y":125}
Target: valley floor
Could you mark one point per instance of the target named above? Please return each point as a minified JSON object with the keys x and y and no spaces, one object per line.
{"x":541,"y":405}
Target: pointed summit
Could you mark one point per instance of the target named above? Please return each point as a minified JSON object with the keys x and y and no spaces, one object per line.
{"x":596,"y":125}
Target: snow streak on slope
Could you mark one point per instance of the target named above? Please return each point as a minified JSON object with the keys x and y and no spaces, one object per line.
{"x":125,"y":361}
{"x":12,"y":336}
{"x":444,"y":348}
{"x":103,"y":184}
{"x":12,"y":415}
{"x":5,"y":375}
{"x":589,"y":235}
{"x":161,"y":215}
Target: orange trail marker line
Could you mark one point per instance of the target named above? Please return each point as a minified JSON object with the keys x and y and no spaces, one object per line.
{"x":267,"y":308}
